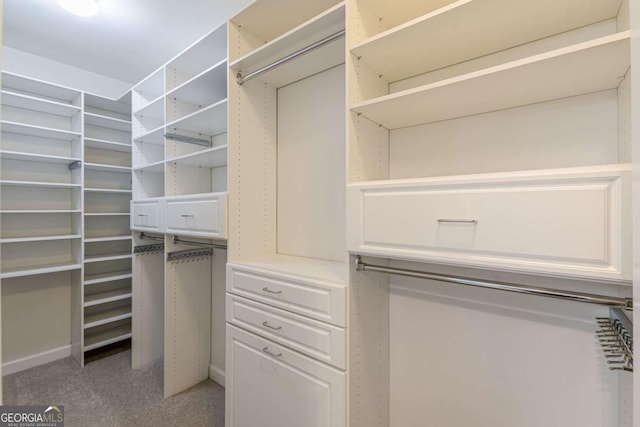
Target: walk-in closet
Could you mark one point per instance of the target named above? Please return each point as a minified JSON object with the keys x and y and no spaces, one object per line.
{"x":325,"y":213}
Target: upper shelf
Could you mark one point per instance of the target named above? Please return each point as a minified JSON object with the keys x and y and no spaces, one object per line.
{"x":149,"y":89}
{"x":40,"y":89}
{"x":35,"y":157}
{"x":587,"y":67}
{"x":107,"y":122}
{"x":29,"y":102}
{"x":205,"y":88}
{"x":154,"y":109}
{"x":469,"y":29}
{"x":211,"y":120}
{"x":38,"y":131}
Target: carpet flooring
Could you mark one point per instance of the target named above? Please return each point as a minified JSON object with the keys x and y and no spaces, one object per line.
{"x":107,"y":392}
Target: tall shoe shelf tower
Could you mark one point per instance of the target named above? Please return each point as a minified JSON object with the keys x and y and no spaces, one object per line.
{"x":180,"y":190}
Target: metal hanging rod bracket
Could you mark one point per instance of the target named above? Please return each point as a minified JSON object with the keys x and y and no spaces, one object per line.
{"x":75,"y":165}
{"x":189,"y":253}
{"x":187,"y":139}
{"x":145,"y":236}
{"x":147,"y":249}
{"x":240,"y":79}
{"x":621,"y":302}
{"x":178,"y":241}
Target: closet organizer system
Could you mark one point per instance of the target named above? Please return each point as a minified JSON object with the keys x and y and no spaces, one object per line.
{"x":179,"y":205}
{"x":66,"y":244}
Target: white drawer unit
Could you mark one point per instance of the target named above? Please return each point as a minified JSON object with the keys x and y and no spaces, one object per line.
{"x":313,"y":298}
{"x":200,"y":216}
{"x":316,"y":339}
{"x":146,"y":215}
{"x":566,"y":222}
{"x":269,"y":385}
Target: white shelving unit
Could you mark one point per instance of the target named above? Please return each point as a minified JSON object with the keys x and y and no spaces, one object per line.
{"x":179,"y":161}
{"x":287,"y":262}
{"x":103,"y":303}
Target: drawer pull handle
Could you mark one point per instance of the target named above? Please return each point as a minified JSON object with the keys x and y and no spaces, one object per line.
{"x":459,"y":221}
{"x":266,"y":350}
{"x":187,"y":216}
{"x":267,"y":325}
{"x":270,"y":291}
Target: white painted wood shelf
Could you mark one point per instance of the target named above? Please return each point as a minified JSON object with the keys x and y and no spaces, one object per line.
{"x":204,"y":88}
{"x":151,"y":167}
{"x":39,"y":89}
{"x":18,"y":100}
{"x":107,"y":122}
{"x":103,"y":144}
{"x":113,"y":276}
{"x":154,"y":136}
{"x":107,"y":297}
{"x":210,"y":158}
{"x":107,"y":337}
{"x":105,"y":317}
{"x":106,"y":239}
{"x":40,"y":238}
{"x":107,"y":257}
{"x":36,"y":157}
{"x":106,"y":190}
{"x":587,"y":67}
{"x":38,"y":184}
{"x":210,"y":120}
{"x":8,"y":273}
{"x":106,"y":168}
{"x":39,"y":131}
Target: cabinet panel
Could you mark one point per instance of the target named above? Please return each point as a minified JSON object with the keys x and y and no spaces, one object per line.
{"x":146,"y":216}
{"x":271,"y":386}
{"x":319,"y":300}
{"x":570,"y":223}
{"x":316,"y":339}
{"x":204,"y":217}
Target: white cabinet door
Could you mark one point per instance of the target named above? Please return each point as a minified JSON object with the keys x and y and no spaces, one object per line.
{"x":269,"y":385}
{"x":146,"y":216}
{"x":570,"y":222}
{"x":203,"y":216}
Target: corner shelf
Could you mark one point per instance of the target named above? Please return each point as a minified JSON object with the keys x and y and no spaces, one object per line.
{"x":575,"y":70}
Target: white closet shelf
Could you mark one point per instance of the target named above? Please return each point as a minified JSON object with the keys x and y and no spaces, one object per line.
{"x":38,"y":184}
{"x":107,"y":214}
{"x":209,"y":158}
{"x":156,"y":167}
{"x":107,"y":297}
{"x":8,"y":273}
{"x":466,"y":29}
{"x":28,"y":102}
{"x":46,"y":91}
{"x":106,"y":337}
{"x":38,"y":131}
{"x":106,"y":190}
{"x":153,"y":110}
{"x":107,"y":316}
{"x":203,"y":88}
{"x":155,"y":136}
{"x":33,"y":157}
{"x":327,"y":271}
{"x":308,"y":32}
{"x":107,"y":257}
{"x":107,"y":106}
{"x":211,"y":120}
{"x":107,"y":122}
{"x":104,"y":144}
{"x":113,"y":276}
{"x":40,"y":211}
{"x":40,"y":238}
{"x":106,"y":168}
{"x":106,"y":239}
{"x":151,"y":87}
{"x":587,"y":67}
{"x":253,"y":17}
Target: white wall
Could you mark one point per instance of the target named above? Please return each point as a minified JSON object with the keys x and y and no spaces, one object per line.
{"x":38,"y":67}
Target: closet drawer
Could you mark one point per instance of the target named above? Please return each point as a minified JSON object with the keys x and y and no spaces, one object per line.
{"x":313,"y":298}
{"x":567,"y":222}
{"x":146,"y":216}
{"x":197,"y":216}
{"x":316,"y":339}
{"x":270,"y":385}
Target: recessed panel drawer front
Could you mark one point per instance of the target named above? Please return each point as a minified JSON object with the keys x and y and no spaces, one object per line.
{"x":313,"y":298}
{"x":145,"y":215}
{"x":315,"y":339}
{"x":548,"y":224}
{"x":204,"y":217}
{"x":270,"y":385}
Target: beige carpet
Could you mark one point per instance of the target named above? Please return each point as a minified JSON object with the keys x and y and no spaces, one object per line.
{"x":106,"y":392}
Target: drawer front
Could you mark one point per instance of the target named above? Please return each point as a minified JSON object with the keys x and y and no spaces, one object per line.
{"x":270,"y":385}
{"x":571,"y":225}
{"x":316,"y":299}
{"x":316,"y":339}
{"x":198,"y":217}
{"x":145,"y":216}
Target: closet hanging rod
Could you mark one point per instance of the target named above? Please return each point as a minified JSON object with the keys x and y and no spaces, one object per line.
{"x":179,"y":241}
{"x":626,"y":303}
{"x":148,"y":237}
{"x":333,"y":37}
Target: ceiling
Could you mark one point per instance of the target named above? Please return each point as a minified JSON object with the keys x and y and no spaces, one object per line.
{"x":126,"y":41}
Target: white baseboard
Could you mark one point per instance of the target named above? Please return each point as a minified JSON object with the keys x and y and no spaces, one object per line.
{"x":217,"y":374}
{"x":18,"y":365}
